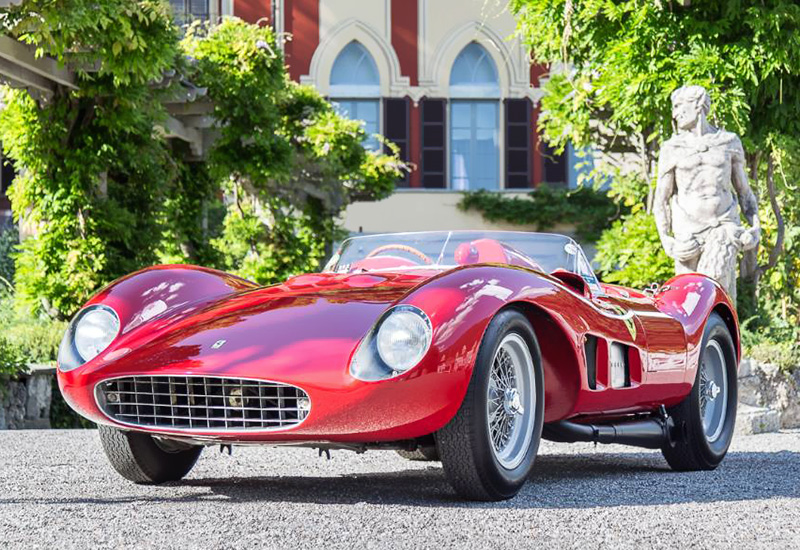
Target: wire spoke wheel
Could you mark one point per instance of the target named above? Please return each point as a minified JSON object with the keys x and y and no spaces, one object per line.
{"x":511,"y":401}
{"x":707,"y":416}
{"x":489,"y":447}
{"x":713,"y":391}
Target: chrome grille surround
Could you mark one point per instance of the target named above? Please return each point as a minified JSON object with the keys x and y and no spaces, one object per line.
{"x":202,"y":403}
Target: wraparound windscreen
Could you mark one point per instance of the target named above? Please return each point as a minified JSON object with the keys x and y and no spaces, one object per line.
{"x":548,"y":250}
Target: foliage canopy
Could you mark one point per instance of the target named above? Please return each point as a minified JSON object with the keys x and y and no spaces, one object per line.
{"x":627,"y":57}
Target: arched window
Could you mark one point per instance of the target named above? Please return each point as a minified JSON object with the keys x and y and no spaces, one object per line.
{"x":355,"y":89}
{"x":474,"y":120}
{"x":474,"y":74}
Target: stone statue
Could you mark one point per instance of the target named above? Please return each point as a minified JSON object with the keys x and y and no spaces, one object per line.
{"x":701,"y":173}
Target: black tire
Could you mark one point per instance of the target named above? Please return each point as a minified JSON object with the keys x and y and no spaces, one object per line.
{"x":464,"y":444}
{"x":693,"y":451}
{"x":426,"y":453}
{"x":139,"y":458}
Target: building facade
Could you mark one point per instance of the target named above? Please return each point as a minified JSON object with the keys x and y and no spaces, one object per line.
{"x":446,"y":80}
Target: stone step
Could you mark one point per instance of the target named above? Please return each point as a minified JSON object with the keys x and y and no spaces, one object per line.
{"x":756,"y":420}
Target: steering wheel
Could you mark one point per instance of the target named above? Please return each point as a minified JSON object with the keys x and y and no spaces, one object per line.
{"x":403,"y":248}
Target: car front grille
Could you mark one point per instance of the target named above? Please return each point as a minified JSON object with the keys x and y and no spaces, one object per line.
{"x":202,"y":403}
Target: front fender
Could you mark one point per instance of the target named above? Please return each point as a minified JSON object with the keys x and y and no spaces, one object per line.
{"x":158,"y":291}
{"x":154,"y":296}
{"x":461,"y":303}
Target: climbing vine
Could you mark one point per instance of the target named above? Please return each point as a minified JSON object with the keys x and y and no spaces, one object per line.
{"x":590,"y":210}
{"x":90,"y":167}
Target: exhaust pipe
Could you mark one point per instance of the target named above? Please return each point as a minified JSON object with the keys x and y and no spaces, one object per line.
{"x":650,"y":433}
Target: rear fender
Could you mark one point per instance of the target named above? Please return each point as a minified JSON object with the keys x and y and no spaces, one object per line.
{"x":691,"y":298}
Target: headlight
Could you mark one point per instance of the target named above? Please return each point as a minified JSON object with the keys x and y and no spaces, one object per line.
{"x":95,"y":328}
{"x":397,"y":342}
{"x":403,"y":338}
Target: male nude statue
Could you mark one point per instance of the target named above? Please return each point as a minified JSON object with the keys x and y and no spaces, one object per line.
{"x":700,"y":175}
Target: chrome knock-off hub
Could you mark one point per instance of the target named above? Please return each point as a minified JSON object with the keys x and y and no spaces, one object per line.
{"x":512,"y":402}
{"x":713,"y":390}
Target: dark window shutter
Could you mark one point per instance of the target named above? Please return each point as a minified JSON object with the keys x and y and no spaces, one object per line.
{"x":395,"y":129}
{"x":555,"y":166}
{"x":434,"y":138}
{"x":518,"y":143}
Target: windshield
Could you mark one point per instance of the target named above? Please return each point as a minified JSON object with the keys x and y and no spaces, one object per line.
{"x":446,"y":249}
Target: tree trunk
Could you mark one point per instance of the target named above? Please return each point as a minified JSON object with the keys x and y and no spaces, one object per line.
{"x":749,"y":265}
{"x":776,"y":251}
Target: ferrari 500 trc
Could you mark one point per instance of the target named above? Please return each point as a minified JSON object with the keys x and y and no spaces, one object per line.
{"x":461,"y":347}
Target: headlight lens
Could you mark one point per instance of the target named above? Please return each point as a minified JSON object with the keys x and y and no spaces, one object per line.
{"x":94,"y":330}
{"x":403,"y":338}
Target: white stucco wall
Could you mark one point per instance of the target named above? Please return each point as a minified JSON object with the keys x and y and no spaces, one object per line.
{"x":422,"y":211}
{"x":445,"y":28}
{"x":374,"y":13}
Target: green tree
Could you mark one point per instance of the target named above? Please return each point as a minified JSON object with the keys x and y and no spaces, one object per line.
{"x":91,"y":167}
{"x":625,"y":58}
{"x":288,"y":161}
{"x":102,"y":193}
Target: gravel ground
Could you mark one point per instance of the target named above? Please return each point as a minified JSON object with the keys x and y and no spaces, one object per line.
{"x":57,"y":491}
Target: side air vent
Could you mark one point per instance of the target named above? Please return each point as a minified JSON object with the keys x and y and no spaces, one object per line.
{"x":611,"y":364}
{"x":590,"y":351}
{"x":618,"y":366}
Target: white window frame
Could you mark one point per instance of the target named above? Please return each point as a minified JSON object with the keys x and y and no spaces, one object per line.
{"x":499,"y":119}
{"x":476,"y":93}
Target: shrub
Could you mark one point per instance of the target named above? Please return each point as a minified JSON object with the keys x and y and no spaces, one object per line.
{"x":24,"y":337}
{"x":785,"y":354}
{"x":12,"y":361}
{"x":630,"y":253}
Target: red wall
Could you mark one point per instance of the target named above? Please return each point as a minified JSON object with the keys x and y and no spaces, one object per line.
{"x":302,"y":22}
{"x":404,"y":41}
{"x":253,"y":10}
{"x":404,"y":37}
{"x":536,"y":73}
{"x":414,"y":145}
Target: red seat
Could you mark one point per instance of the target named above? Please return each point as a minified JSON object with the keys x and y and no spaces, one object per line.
{"x":481,"y":251}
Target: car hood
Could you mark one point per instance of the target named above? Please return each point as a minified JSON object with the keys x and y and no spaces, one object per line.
{"x":309,"y":322}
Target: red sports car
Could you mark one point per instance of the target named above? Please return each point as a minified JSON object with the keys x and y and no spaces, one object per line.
{"x":465,"y":347}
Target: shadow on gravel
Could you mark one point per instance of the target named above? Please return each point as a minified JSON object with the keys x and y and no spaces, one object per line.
{"x":558,"y":481}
